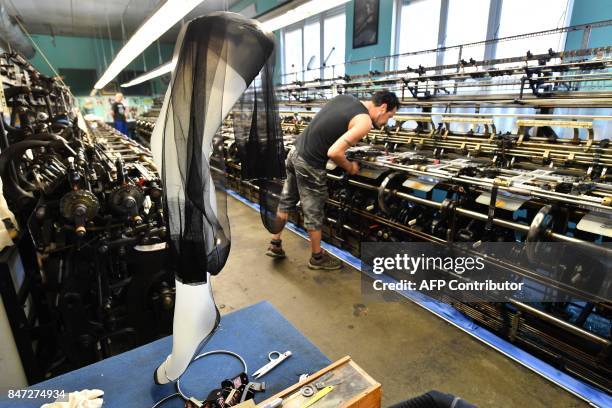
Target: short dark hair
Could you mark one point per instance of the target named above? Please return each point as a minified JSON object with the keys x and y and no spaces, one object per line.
{"x":387,"y":97}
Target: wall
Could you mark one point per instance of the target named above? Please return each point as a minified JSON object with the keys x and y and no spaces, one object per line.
{"x":583,"y":11}
{"x":588,"y":11}
{"x":260,"y":5}
{"x":90,"y":53}
{"x":382,"y":48}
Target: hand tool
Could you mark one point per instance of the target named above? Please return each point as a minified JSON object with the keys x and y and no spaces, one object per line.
{"x":317,"y":396}
{"x":274,"y":361}
{"x":309,"y":390}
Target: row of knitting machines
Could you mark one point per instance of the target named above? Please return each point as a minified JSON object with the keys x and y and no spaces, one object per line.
{"x":445,"y":172}
{"x":83,"y":274}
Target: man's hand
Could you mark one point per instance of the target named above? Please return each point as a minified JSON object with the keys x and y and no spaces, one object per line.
{"x":359,"y":127}
{"x":353,"y":168}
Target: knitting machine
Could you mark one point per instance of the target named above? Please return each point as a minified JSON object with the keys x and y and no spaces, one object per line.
{"x":487,"y":153}
{"x":89,"y":204}
{"x":146,"y":122}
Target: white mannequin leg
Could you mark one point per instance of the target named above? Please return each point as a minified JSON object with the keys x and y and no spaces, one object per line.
{"x":195,"y":317}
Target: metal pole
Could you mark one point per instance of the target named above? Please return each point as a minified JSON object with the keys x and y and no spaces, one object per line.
{"x":110,"y":38}
{"x":586,"y":37}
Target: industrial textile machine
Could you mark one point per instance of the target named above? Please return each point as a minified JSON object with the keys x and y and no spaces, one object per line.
{"x":512,"y":152}
{"x":89,"y":230}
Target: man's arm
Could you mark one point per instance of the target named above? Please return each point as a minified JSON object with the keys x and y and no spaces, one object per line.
{"x":359,"y":127}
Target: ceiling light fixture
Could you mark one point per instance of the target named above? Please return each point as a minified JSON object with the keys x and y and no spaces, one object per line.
{"x":170,"y":13}
{"x":154,"y":73}
{"x":301,"y":12}
{"x":292,"y":16}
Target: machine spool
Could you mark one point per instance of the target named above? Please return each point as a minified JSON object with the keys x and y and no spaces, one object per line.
{"x":385,"y":185}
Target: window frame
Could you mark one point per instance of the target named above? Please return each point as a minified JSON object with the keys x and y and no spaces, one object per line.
{"x":284,"y":30}
{"x":320,"y":19}
{"x":495,"y":11}
{"x":494,"y":28}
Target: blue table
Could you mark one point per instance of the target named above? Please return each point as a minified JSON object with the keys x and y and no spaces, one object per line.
{"x":252,"y":332}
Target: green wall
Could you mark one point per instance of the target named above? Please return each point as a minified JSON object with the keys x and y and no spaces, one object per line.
{"x":261,"y":6}
{"x":589,"y":11}
{"x":88,"y":53}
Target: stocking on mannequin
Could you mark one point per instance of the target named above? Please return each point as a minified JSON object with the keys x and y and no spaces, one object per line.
{"x":217,"y":57}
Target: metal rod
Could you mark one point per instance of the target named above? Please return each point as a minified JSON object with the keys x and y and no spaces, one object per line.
{"x":560,"y":323}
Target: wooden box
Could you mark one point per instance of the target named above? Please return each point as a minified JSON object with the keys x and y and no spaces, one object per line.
{"x":357,"y":389}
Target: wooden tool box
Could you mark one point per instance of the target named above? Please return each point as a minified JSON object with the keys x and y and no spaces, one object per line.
{"x":357,"y":389}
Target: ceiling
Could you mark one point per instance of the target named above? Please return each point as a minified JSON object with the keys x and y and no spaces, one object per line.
{"x":96,"y":18}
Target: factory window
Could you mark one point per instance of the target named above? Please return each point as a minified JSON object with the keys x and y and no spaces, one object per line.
{"x":312,"y":43}
{"x":292,"y":54}
{"x":471,"y":27}
{"x":334,"y":28}
{"x":537,"y":16}
{"x":429,"y":24}
{"x":312,"y":49}
{"x":418,"y":27}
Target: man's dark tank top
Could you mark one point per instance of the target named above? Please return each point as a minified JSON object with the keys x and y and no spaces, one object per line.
{"x":326,"y":127}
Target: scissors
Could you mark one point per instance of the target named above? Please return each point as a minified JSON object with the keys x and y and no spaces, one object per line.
{"x":275,"y":357}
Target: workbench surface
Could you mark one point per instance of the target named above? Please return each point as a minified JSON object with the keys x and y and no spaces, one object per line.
{"x":252,"y":332}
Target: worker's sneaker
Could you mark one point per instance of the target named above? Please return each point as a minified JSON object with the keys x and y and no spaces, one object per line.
{"x":324,"y":261}
{"x":275,"y":250}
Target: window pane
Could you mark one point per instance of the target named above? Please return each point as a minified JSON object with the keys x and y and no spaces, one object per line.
{"x":293,"y":55}
{"x":466,"y":23}
{"x":520,"y":16}
{"x":312,"y":49}
{"x":419,"y":21}
{"x":334,"y":32}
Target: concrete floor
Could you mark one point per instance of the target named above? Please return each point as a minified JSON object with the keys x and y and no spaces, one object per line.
{"x":407,"y":349}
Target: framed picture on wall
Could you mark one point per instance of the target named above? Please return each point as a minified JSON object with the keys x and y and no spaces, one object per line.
{"x":365,"y":23}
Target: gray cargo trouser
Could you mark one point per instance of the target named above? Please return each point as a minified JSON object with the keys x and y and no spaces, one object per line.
{"x":307,"y":184}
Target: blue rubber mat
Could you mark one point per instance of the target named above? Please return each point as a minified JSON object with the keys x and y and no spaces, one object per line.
{"x":252,"y":332}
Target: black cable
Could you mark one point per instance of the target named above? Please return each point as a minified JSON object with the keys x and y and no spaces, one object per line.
{"x":179,"y":393}
{"x":166,"y":398}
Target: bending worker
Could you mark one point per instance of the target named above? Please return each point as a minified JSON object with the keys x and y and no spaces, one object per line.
{"x":340,"y":124}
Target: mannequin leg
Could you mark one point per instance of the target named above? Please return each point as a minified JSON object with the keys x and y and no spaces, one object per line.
{"x":195,"y":318}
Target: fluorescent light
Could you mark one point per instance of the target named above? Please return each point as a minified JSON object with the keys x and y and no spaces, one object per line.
{"x":154,"y":73}
{"x":300,"y":13}
{"x":171,"y":12}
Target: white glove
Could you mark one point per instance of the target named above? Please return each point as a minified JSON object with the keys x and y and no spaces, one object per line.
{"x":79,"y":399}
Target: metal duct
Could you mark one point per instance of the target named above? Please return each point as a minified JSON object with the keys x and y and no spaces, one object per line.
{"x":12,"y":36}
